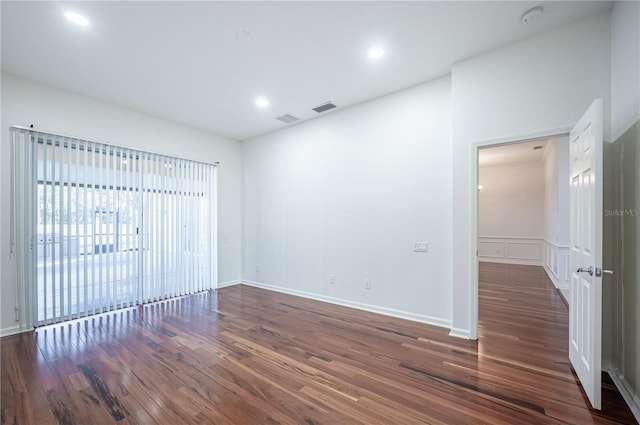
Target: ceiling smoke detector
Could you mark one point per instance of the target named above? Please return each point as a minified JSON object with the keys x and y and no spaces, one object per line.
{"x":531,"y":15}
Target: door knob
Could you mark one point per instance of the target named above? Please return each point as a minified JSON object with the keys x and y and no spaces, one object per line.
{"x":583,"y":270}
{"x":600,"y":272}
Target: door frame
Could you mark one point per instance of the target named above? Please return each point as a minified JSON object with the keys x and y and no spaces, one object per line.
{"x":473,"y":202}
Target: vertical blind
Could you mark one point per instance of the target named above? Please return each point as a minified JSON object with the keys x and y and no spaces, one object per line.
{"x":98,"y":227}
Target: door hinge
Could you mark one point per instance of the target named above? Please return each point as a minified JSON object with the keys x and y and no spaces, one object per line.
{"x":17,"y":311}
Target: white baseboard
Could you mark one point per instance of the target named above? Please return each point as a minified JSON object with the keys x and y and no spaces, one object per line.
{"x":228,"y":283}
{"x":632,"y":399}
{"x":552,"y":276}
{"x":564,"y":292}
{"x":460,"y":333}
{"x":13,"y":330}
{"x":357,"y":305}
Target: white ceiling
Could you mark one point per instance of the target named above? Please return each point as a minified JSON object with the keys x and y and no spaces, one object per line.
{"x":184,"y":61}
{"x":511,"y":154}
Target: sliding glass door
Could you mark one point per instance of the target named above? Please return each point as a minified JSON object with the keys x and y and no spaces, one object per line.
{"x":106,"y":227}
{"x":178,"y":221}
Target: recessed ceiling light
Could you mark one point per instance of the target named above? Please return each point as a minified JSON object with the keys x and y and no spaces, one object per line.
{"x":77,"y":19}
{"x":262,"y":103}
{"x":376,"y":53}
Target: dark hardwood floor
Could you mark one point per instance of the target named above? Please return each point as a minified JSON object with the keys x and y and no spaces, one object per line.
{"x":242,"y":355}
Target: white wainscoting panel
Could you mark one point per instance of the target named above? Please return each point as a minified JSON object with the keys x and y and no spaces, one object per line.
{"x":556,"y":264}
{"x":510,"y":250}
{"x":492,"y":249}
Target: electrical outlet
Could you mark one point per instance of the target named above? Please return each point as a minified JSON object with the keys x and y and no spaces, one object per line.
{"x":367,"y":284}
{"x":332,"y":279}
{"x":258,"y":267}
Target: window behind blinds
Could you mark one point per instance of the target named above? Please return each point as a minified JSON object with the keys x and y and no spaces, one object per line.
{"x":99,"y":227}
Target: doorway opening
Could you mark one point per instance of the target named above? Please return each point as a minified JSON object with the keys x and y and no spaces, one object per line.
{"x":523,"y":206}
{"x":473,"y":198}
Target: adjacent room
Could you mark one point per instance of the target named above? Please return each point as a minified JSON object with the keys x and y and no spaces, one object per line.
{"x":523,"y":206}
{"x":320,"y":212}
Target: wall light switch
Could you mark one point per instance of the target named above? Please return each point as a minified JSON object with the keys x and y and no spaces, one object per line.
{"x":367,"y":284}
{"x":421,"y":246}
{"x":332,"y":279}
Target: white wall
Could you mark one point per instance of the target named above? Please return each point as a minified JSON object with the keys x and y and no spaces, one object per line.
{"x":348,"y":194}
{"x":556,"y":190}
{"x":25,"y":103}
{"x":511,"y":202}
{"x":533,"y":87}
{"x":511,"y":213}
{"x":556,"y":215}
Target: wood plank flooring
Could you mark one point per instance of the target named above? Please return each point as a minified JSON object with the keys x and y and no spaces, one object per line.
{"x":242,"y":355}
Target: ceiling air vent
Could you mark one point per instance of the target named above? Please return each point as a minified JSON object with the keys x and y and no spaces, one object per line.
{"x":324,"y":107}
{"x":287,"y":119}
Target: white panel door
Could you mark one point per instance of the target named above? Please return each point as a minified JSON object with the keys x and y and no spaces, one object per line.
{"x":585,"y":310}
